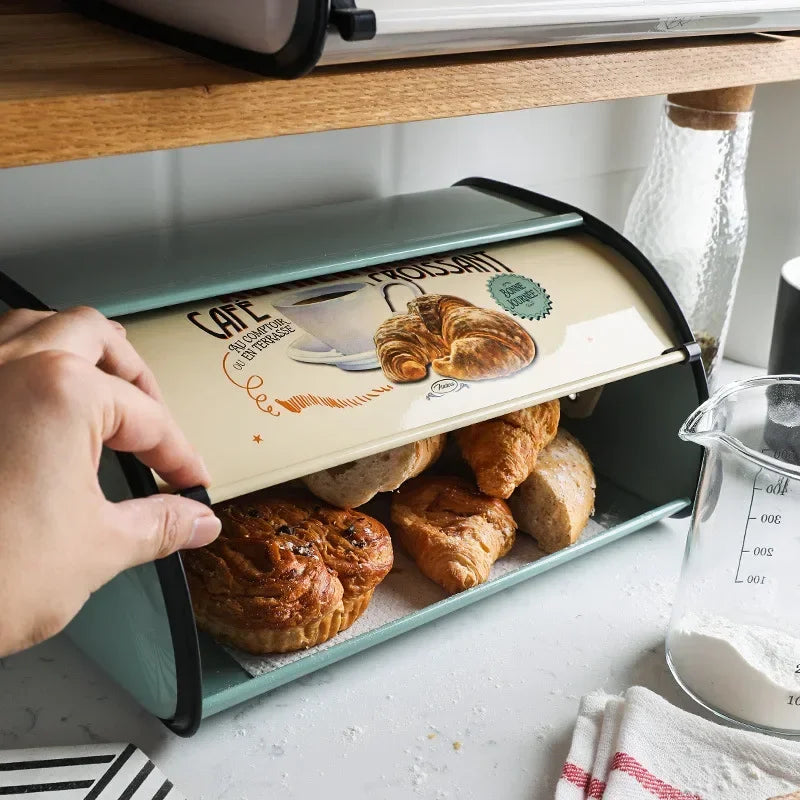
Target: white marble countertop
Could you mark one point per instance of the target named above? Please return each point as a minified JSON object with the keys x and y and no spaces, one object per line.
{"x":478,"y":704}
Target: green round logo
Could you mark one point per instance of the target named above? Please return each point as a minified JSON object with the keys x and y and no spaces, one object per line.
{"x":520,"y":296}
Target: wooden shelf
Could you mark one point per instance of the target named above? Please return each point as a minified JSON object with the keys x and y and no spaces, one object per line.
{"x":71,"y":88}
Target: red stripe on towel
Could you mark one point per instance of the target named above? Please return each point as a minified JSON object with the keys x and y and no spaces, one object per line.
{"x":596,"y":789}
{"x":663,"y":791}
{"x":575,"y":775}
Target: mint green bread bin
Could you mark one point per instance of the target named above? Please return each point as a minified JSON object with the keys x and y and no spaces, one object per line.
{"x":140,"y":627}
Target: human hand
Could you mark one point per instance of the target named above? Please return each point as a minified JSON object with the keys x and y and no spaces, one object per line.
{"x":70,"y":383}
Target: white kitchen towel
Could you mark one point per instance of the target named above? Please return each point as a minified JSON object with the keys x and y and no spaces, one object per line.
{"x":639,"y":747}
{"x":90,"y":772}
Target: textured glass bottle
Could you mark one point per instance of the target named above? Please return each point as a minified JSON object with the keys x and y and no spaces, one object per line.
{"x":689,"y":215}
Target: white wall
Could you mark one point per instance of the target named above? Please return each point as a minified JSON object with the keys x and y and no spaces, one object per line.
{"x":590,"y":155}
{"x":773,"y":192}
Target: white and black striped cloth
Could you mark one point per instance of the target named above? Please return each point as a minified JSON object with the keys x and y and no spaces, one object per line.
{"x":93,"y":772}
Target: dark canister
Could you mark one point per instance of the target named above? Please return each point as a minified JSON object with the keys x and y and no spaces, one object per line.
{"x":784,"y":359}
{"x":784,"y":356}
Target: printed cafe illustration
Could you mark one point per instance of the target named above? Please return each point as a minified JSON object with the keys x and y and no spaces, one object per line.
{"x":359,"y":325}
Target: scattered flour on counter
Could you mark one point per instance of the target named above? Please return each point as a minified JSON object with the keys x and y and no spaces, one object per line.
{"x":353,"y":733}
{"x":418,"y":775}
{"x":747,"y":671}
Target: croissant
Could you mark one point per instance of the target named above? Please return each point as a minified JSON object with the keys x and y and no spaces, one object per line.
{"x":405,"y":347}
{"x":452,"y":531}
{"x":502,"y":452}
{"x":483,"y":344}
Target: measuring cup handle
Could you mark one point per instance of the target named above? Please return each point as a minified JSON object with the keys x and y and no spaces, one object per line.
{"x":415,"y":290}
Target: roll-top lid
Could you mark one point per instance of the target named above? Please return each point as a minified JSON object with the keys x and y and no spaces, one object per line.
{"x":272,"y":384}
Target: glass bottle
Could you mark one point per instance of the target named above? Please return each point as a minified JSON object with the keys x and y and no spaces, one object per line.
{"x":689,"y":214}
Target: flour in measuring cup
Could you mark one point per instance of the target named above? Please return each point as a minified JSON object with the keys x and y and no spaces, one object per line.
{"x":746,"y":671}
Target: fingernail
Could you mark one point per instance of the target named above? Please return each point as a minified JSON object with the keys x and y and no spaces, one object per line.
{"x":204,"y":531}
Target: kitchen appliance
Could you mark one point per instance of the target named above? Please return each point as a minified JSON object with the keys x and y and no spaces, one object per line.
{"x":290,"y":37}
{"x":226,"y":314}
{"x":734,"y":637}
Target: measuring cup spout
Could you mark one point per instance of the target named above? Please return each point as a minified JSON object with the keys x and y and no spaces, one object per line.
{"x":756,"y":419}
{"x":701,"y":427}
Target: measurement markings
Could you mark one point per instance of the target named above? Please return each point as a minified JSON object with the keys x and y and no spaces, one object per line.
{"x":747,"y":525}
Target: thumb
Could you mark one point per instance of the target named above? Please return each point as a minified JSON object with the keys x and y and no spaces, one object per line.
{"x":154,"y":527}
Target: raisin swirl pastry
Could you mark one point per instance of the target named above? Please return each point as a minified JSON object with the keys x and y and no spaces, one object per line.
{"x":452,"y":531}
{"x":357,"y":548}
{"x":286,"y":573}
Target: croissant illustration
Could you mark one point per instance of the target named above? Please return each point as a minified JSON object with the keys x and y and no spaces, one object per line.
{"x":463,"y":341}
{"x":432,"y":309}
{"x":483,"y":344}
{"x":405,"y":348}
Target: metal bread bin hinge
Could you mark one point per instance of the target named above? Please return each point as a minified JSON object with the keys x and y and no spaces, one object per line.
{"x":691,"y":350}
{"x":581,"y":404}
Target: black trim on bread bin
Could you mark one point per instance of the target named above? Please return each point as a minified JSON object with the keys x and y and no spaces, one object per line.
{"x":178,"y":604}
{"x":171,"y":577}
{"x":297,"y":57}
{"x":607,"y":235}
{"x":16,"y":296}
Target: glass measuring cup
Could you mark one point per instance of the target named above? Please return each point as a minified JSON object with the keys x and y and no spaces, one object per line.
{"x":734,"y":637}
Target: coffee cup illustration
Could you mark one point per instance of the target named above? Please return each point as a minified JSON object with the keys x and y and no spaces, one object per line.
{"x":340,"y":320}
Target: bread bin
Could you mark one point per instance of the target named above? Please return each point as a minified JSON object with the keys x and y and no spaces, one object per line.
{"x":270,"y":383}
{"x":290,"y":37}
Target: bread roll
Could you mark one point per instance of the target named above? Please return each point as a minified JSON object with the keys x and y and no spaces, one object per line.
{"x":556,"y":500}
{"x":357,"y":482}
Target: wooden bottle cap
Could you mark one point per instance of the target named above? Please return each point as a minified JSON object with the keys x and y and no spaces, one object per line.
{"x":710,"y":110}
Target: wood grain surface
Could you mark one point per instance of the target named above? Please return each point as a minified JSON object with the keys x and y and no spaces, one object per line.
{"x":72,"y":88}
